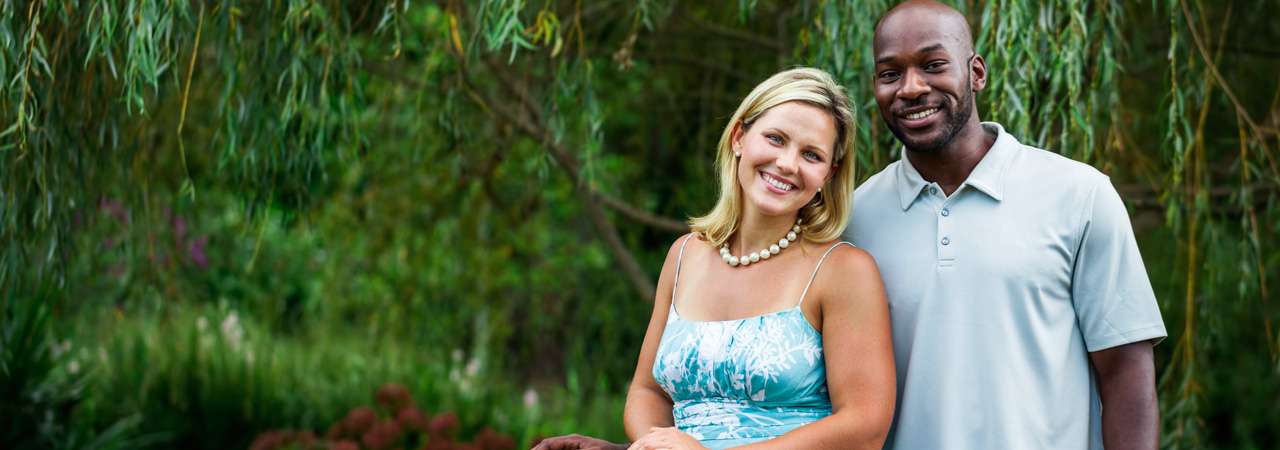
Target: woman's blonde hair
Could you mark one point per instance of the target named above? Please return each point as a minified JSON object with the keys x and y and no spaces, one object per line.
{"x":823,"y":218}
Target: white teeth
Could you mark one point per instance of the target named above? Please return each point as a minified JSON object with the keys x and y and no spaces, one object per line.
{"x":777,"y":183}
{"x":922,"y":114}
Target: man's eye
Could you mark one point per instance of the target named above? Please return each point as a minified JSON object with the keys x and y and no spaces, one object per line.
{"x":934,"y":66}
{"x":888,"y":76}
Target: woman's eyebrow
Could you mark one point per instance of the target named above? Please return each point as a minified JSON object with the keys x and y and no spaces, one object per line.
{"x":779,"y":131}
{"x":821,"y":150}
{"x":784,"y":134}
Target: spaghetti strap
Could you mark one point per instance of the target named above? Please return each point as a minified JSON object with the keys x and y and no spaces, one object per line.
{"x":815,"y":270}
{"x":679,"y":258}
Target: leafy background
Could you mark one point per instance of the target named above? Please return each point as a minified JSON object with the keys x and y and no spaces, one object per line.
{"x":224,"y":217}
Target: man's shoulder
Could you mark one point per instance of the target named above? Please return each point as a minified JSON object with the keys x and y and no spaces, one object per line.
{"x":882,"y":183}
{"x":1036,"y":165}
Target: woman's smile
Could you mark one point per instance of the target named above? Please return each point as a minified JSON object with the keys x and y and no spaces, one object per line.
{"x":775,"y":184}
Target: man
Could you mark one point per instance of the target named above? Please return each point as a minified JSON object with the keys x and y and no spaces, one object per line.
{"x":1022,"y":314}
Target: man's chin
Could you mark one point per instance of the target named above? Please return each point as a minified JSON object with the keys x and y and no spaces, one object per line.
{"x":922,"y":144}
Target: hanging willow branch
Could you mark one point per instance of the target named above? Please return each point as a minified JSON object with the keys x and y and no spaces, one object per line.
{"x":129,"y":108}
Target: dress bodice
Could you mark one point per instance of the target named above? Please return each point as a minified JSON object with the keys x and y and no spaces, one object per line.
{"x":738,"y":381}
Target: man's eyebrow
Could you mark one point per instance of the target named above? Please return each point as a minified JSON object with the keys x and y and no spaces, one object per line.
{"x":930,"y":48}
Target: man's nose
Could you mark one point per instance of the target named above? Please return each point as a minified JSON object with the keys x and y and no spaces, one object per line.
{"x":913,"y":86}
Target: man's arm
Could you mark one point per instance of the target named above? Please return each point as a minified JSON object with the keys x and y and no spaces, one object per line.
{"x":1127,"y":384}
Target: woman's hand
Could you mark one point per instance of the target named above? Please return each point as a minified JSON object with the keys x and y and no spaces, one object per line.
{"x":577,"y":442}
{"x":666,"y":438}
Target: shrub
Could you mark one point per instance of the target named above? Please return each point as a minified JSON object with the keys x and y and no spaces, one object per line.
{"x":397,"y":423}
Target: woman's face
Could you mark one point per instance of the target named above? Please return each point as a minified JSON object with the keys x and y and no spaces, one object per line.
{"x":785,"y":157}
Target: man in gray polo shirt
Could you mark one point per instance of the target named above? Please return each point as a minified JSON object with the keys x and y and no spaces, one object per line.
{"x":1022,"y":313}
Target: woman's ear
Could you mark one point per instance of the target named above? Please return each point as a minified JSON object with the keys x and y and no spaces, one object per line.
{"x":735,"y":140}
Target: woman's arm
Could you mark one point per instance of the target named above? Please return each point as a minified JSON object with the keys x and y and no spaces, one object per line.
{"x":647,"y":404}
{"x":858,"y":347}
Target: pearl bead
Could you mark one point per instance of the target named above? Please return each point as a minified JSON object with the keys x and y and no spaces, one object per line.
{"x":745,"y":260}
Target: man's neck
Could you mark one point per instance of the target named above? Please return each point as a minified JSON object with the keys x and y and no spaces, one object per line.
{"x":950,"y":166}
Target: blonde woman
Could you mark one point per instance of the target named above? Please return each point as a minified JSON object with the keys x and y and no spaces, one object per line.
{"x":767,"y":333}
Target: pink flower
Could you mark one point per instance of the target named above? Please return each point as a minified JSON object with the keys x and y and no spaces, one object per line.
{"x":381,"y":436}
{"x":393,"y":397}
{"x":411,"y":418}
{"x":345,"y":445}
{"x":443,"y":426}
{"x":359,"y":420}
{"x":270,"y":440}
{"x":488,"y":439}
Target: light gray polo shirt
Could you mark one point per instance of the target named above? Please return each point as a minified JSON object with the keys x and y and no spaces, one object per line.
{"x":997,"y":294}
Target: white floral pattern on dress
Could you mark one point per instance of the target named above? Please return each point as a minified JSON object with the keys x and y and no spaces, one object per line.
{"x":740,"y":381}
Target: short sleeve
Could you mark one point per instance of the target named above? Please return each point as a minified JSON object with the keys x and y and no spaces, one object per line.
{"x":1110,"y":290}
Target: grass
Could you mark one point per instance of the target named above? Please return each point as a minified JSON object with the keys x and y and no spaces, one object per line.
{"x":210,"y":378}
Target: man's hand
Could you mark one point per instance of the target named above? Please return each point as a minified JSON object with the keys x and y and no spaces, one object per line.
{"x":666,"y":438}
{"x":577,"y":442}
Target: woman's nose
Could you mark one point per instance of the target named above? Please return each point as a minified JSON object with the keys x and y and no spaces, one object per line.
{"x":787,"y":161}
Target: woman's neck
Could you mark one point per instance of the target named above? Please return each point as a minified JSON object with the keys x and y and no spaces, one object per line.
{"x":759,"y":232}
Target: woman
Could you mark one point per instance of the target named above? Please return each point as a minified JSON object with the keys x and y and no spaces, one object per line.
{"x":765,"y":332}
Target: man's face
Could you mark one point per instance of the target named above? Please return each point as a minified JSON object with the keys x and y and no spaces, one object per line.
{"x":924,"y":82}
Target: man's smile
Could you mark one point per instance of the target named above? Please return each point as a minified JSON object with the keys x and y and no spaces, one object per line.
{"x":919,"y":117}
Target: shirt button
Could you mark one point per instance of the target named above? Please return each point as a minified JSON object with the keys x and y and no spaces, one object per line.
{"x":946,"y":212}
{"x":946,"y":241}
{"x":933,"y":191}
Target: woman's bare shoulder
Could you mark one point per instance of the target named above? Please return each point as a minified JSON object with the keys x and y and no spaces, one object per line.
{"x":848,"y":269}
{"x":845,"y":255}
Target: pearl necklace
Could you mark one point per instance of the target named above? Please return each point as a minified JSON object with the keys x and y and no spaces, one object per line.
{"x":755,"y":257}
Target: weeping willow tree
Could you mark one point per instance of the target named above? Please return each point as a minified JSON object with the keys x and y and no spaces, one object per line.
{"x":530,"y":160}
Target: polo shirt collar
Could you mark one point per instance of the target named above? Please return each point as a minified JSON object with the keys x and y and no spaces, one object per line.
{"x":987,"y":177}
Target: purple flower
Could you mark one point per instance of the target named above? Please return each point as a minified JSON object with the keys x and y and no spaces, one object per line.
{"x":179,"y":228}
{"x":113,"y":208}
{"x":195,"y":250}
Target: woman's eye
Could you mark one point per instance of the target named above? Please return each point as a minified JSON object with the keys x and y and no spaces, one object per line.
{"x":777,"y":140}
{"x":812,"y":156}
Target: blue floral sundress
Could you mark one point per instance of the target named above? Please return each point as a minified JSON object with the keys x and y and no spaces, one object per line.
{"x":735,"y":382}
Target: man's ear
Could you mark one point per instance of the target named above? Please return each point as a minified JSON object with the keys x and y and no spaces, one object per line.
{"x":978,"y":73}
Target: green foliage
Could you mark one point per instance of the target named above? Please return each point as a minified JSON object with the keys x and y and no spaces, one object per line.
{"x":42,"y":383}
{"x":396,"y":191}
{"x":204,"y":378}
